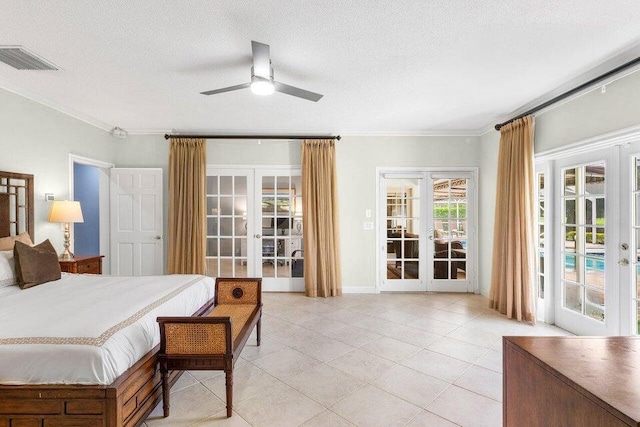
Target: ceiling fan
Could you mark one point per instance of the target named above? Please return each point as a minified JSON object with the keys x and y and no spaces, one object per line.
{"x":262,"y":82}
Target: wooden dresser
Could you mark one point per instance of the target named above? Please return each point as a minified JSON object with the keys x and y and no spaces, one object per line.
{"x":83,"y":264}
{"x":571,"y":381}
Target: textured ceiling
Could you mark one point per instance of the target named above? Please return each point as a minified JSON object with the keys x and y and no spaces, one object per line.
{"x":384,"y":67}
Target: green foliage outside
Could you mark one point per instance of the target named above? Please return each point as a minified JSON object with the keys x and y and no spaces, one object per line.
{"x":459,"y":211}
{"x":571,"y":235}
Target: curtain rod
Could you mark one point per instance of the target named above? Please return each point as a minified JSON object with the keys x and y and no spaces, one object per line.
{"x":167,"y":136}
{"x":573,"y":91}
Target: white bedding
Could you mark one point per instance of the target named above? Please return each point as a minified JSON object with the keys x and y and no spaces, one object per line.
{"x":88,"y":329}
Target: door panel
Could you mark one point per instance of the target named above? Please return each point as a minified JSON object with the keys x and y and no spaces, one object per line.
{"x":254,"y":226}
{"x":587,"y":295}
{"x":136,"y":222}
{"x":427,"y":231}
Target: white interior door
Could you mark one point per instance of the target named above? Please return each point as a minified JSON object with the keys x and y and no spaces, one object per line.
{"x":587,"y":234}
{"x":136,"y":222}
{"x":278,"y":224}
{"x":254,"y":226}
{"x":427,"y":231}
{"x":451,"y":218}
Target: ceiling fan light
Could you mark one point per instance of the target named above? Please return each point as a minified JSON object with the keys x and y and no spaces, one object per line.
{"x":262,"y":87}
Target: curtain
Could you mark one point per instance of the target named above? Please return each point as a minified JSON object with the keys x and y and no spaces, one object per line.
{"x":320,"y":220}
{"x":187,"y":209}
{"x":512,"y":276}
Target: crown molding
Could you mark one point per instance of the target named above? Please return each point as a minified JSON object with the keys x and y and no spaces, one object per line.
{"x":10,"y":87}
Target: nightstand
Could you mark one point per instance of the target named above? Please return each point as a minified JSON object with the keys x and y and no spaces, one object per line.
{"x":83,"y":264}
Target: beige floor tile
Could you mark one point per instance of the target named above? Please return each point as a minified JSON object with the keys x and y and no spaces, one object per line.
{"x":458,"y":349}
{"x":363,"y":365}
{"x":429,"y":419}
{"x":286,"y":363}
{"x":410,"y":385}
{"x":482,"y":381}
{"x":184,"y":381}
{"x":491,"y":360}
{"x":220,"y":419}
{"x":391,"y":349}
{"x":371,"y":407}
{"x":324,"y":384}
{"x":476,"y":337}
{"x":498,"y":325}
{"x":437,"y":365}
{"x":188,"y":406}
{"x":377,"y":325}
{"x":467,"y":408}
{"x":248,"y":381}
{"x":327,"y":419}
{"x":267,"y":346}
{"x":281,"y":406}
{"x":415,"y":336}
{"x":323,"y":326}
{"x":398,"y":316}
{"x":434,"y":326}
{"x":449,"y":317}
{"x":321,"y":348}
{"x":346,"y":316}
{"x":352,"y":336}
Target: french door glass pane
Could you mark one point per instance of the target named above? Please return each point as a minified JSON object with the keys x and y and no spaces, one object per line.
{"x":226,"y":226}
{"x":583,"y":249}
{"x":403,"y":228}
{"x":449,"y":228}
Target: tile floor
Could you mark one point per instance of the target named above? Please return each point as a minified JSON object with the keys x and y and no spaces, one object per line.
{"x":364,"y":360}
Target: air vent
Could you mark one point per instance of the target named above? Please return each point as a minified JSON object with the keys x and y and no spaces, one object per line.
{"x":21,"y":59}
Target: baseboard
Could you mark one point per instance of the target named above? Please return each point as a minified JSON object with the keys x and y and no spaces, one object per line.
{"x":360,"y":290}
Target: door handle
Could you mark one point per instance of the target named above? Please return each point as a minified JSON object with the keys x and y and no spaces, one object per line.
{"x":158,"y":237}
{"x":257,"y":236}
{"x":623,"y":262}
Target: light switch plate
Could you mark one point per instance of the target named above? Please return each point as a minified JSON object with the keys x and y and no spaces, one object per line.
{"x":367,"y":213}
{"x":367,"y":225}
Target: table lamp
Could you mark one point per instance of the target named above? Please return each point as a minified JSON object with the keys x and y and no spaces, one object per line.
{"x":66,"y":212}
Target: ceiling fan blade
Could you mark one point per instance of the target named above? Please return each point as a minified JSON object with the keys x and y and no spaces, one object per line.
{"x":261,"y":59}
{"x":294,"y":91}
{"x":226,"y":89}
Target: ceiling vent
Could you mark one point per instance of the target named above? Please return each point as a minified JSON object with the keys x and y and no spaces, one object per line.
{"x":21,"y":59}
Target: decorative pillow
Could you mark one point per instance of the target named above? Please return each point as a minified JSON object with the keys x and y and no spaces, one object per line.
{"x":36,"y":264}
{"x":6,"y":243}
{"x":7,"y":269}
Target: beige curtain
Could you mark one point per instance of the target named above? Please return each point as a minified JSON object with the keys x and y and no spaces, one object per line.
{"x":187,"y":211}
{"x":512,"y":279}
{"x":320,"y":219}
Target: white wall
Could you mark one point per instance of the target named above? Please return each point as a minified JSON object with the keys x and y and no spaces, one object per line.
{"x":488,"y":176}
{"x":357,"y":159}
{"x":38,"y":140}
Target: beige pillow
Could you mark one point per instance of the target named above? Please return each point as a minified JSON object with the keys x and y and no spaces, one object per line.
{"x":6,"y":243}
{"x":36,"y":264}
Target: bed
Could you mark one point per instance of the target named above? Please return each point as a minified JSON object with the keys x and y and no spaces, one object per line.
{"x":82,"y":350}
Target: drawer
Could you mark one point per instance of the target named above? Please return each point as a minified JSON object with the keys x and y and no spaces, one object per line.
{"x":90,"y":267}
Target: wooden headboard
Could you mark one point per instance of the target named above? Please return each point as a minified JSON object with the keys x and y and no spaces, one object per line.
{"x":16,"y":204}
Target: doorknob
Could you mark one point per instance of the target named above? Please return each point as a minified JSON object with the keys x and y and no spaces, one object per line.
{"x":158,"y":237}
{"x":623,"y":262}
{"x":257,"y":236}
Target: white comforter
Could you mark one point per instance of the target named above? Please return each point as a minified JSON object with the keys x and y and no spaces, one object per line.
{"x":86,"y":329}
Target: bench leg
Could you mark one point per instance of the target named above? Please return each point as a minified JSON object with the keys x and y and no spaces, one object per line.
{"x":258,"y":329}
{"x":229,"y":384}
{"x":165,"y":393}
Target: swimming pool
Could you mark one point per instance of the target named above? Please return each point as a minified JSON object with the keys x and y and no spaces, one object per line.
{"x":593,"y":262}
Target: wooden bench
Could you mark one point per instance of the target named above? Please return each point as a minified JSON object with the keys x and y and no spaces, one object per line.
{"x":214,"y":341}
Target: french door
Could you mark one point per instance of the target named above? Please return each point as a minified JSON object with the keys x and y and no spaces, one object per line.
{"x":254,"y":226}
{"x":427,"y":231}
{"x":596,"y":244}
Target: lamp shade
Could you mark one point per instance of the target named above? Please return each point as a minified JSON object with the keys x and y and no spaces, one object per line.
{"x":65,"y":211}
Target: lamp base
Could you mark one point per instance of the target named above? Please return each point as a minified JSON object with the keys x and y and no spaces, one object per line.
{"x":66,"y":256}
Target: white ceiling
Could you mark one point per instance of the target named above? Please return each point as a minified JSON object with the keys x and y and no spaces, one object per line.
{"x":384,"y":67}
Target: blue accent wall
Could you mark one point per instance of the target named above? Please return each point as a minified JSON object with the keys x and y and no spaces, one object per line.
{"x":86,"y":190}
